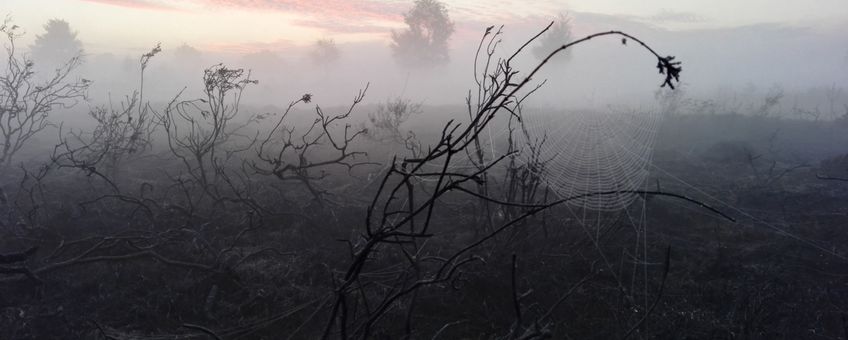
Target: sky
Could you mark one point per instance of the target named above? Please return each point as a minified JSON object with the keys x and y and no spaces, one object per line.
{"x":118,"y":26}
{"x":724,"y":44}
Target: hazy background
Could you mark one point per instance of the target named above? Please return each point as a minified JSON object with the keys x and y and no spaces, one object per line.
{"x":728,"y":48}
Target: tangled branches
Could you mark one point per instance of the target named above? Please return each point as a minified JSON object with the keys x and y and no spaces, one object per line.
{"x":118,"y":134}
{"x":399,"y":222}
{"x":292,"y":154}
{"x":25,"y":101}
{"x":197,"y":128}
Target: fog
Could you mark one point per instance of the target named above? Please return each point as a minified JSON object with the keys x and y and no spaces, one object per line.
{"x":423,"y":169}
{"x":717,"y":61}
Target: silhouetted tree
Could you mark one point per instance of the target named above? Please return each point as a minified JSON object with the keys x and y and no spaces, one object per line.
{"x":119,"y":133}
{"x":185,"y":54}
{"x":196,"y":129}
{"x":325,"y":52}
{"x":559,"y":34}
{"x":187,"y":62}
{"x":56,"y":46}
{"x":26,"y":101}
{"x":386,"y":121}
{"x":263,"y":62}
{"x":425,"y":42}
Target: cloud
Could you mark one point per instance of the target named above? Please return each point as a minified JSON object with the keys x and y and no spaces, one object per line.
{"x":356,"y":20}
{"x":351,"y":10}
{"x":504,"y":11}
{"x":344,"y":27}
{"x":669,"y":16}
{"x":359,"y":16}
{"x":245,"y":48}
{"x":136,"y":4}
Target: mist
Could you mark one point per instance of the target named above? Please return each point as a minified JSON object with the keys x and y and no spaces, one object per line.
{"x":720,"y":59}
{"x":385,"y":169}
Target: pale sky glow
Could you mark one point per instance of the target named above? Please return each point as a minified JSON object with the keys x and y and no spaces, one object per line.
{"x":727,"y":12}
{"x":242,"y":25}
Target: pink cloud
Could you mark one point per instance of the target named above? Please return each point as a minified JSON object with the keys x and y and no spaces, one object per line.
{"x":374,"y":18}
{"x":136,"y":4}
{"x":337,"y":26}
{"x":350,"y":10}
{"x":335,"y":16}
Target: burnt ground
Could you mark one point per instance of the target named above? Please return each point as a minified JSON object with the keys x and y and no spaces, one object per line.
{"x":109,"y":267}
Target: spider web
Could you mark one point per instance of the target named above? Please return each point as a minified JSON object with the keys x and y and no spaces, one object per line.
{"x":590,"y":152}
